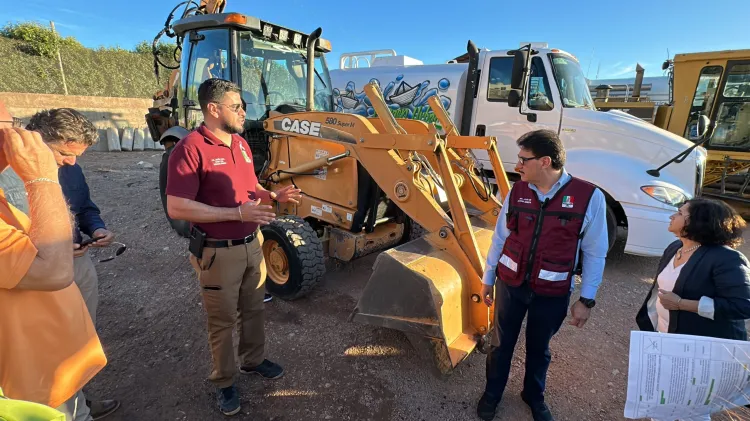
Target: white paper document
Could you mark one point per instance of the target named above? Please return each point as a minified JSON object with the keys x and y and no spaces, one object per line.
{"x":674,"y":376}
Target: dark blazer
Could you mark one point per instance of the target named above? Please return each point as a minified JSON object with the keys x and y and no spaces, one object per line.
{"x":717,"y":272}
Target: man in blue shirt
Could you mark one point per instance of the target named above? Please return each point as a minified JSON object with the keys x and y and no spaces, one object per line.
{"x":549,"y":220}
{"x":68,"y":134}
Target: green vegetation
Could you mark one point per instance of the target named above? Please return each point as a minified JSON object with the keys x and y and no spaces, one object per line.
{"x":29,"y":64}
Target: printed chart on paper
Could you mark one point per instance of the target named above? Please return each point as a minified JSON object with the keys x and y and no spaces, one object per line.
{"x":674,"y":376}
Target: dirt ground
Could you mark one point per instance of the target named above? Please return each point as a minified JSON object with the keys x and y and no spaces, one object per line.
{"x":152,"y":327}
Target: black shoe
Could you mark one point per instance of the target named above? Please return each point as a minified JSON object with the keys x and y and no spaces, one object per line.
{"x":267,"y":298}
{"x":266,"y":369}
{"x":486,"y":407}
{"x":100,"y":409}
{"x":229,"y":400}
{"x":539,"y":410}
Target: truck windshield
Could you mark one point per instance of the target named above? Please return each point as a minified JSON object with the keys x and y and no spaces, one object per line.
{"x":573,"y":87}
{"x":274,"y":74}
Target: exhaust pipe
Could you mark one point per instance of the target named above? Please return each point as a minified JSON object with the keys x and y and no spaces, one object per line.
{"x":638,"y":81}
{"x":312,"y":40}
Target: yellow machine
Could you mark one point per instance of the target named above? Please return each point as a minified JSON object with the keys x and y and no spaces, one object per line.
{"x":379,"y":184}
{"x":710,"y":105}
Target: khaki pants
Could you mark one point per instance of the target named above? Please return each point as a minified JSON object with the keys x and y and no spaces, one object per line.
{"x":232,"y":286}
{"x":88,"y":283}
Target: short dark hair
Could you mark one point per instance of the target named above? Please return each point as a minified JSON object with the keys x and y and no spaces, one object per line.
{"x":63,"y":125}
{"x":712,"y":222}
{"x":544,"y":143}
{"x":213,"y":90}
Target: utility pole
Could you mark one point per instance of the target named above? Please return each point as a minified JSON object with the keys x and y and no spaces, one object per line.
{"x":59,"y":58}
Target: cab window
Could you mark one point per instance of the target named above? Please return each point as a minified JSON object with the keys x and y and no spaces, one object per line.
{"x":540,"y":97}
{"x":703,"y":100}
{"x":501,"y":69}
{"x":732,"y":125}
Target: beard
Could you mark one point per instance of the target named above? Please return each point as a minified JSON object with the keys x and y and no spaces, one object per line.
{"x":233,"y":128}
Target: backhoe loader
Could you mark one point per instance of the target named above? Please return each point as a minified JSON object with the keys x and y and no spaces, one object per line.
{"x":377,"y":184}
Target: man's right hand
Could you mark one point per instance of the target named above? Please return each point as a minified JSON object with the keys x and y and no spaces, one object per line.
{"x":27,"y":154}
{"x":253,"y":211}
{"x":488,"y":294}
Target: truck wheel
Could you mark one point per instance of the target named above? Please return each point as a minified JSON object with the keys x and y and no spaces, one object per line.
{"x":181,"y":227}
{"x":294,"y":257}
{"x":611,"y":227}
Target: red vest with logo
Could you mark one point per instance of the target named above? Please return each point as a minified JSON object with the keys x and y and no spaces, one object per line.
{"x":543,"y":242}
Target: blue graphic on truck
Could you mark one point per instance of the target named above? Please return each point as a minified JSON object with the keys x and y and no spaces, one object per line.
{"x":404,"y":100}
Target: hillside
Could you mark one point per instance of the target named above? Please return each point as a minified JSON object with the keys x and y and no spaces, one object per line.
{"x":101,"y":72}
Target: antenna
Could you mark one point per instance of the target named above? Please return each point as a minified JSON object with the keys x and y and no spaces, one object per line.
{"x":597,"y":70}
{"x":590,"y":60}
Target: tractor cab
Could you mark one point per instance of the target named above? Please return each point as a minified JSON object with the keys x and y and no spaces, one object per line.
{"x":267,"y":61}
{"x":271,"y":64}
{"x":710,"y":105}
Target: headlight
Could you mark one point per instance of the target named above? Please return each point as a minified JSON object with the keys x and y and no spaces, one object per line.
{"x":666,"y":195}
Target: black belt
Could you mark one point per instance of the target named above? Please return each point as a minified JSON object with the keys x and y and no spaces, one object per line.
{"x":229,"y":243}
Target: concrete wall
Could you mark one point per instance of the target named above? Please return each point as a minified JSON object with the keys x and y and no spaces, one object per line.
{"x":104,"y":112}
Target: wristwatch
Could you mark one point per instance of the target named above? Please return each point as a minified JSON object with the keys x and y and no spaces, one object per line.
{"x":588,"y":302}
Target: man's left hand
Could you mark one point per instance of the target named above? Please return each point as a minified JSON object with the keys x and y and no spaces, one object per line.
{"x":579,"y":314}
{"x":103,"y":238}
{"x":287,"y":194}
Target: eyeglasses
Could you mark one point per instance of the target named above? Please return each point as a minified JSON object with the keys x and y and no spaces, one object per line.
{"x":234,"y":107}
{"x":120,"y":250}
{"x":16,"y":122}
{"x":522,"y":159}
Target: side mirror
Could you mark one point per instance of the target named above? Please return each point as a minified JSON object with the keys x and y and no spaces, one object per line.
{"x":514,"y":98}
{"x":701,"y":128}
{"x":519,"y":64}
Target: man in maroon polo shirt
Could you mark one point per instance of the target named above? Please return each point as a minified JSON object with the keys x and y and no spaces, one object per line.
{"x":211,"y":182}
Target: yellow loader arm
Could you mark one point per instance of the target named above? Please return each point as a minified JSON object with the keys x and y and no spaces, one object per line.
{"x":430,"y":287}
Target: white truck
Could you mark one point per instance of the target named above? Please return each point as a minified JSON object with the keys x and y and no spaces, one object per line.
{"x":506,"y":93}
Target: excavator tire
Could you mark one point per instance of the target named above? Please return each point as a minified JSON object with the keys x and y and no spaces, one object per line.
{"x":294,"y":257}
{"x":181,"y":227}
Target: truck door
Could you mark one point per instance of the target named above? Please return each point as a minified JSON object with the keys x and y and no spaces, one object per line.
{"x":495,"y":118}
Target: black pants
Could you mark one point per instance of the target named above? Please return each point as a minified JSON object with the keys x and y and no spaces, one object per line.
{"x":545,"y":316}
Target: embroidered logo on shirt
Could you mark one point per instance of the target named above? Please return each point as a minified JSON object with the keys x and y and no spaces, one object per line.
{"x":524,"y":200}
{"x":219,"y":161}
{"x":567,"y":201}
{"x":244,"y":154}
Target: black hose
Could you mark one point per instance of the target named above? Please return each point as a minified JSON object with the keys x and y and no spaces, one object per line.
{"x":485,"y":182}
{"x":167,"y":30}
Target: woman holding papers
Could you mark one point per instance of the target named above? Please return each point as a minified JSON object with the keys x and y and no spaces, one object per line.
{"x":702,"y":284}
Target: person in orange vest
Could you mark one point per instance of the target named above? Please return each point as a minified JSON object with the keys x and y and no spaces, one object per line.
{"x":549,"y":219}
{"x":50,"y":348}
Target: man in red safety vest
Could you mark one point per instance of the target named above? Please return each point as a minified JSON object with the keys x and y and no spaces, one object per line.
{"x":549,"y":220}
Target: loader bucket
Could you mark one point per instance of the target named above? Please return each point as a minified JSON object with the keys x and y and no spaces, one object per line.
{"x":421,"y":289}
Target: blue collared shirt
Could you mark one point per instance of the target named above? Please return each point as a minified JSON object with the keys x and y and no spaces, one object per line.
{"x":76,"y":193}
{"x":594,"y":243}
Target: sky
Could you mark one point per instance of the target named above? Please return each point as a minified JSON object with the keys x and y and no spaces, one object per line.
{"x":607,"y":37}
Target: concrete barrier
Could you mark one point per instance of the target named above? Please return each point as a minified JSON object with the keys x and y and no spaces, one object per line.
{"x":127,"y":139}
{"x":138,"y":141}
{"x":148,"y":142}
{"x":113,"y":140}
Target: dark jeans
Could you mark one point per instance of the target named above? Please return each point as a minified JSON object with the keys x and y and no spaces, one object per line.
{"x":545,"y":316}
